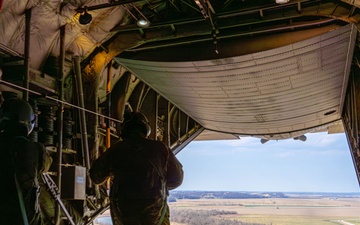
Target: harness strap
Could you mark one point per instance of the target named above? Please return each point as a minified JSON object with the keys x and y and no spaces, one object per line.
{"x":21,"y":201}
{"x":163,"y":212}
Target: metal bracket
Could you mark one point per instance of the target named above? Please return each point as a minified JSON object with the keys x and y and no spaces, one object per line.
{"x":56,"y":194}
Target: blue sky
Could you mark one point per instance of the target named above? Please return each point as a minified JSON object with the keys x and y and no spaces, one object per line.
{"x":320,"y":164}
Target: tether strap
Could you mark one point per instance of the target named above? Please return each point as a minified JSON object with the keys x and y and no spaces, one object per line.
{"x":21,"y":201}
{"x":163,"y":213}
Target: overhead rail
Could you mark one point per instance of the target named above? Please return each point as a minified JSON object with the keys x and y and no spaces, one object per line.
{"x":58,"y":100}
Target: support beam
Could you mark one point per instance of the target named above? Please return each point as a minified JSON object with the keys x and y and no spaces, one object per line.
{"x":186,"y":139}
{"x":60,"y":120}
{"x":108,"y":99}
{"x":351,"y":122}
{"x":27,"y":53}
{"x":83,"y":129}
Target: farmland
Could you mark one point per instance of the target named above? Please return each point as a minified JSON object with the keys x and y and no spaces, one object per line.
{"x":298,"y":210}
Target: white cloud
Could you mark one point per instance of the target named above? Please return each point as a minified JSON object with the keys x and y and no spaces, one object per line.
{"x":316,"y":144}
{"x":328,"y":139}
{"x":323,"y":139}
{"x":307,"y":152}
{"x":244,"y":141}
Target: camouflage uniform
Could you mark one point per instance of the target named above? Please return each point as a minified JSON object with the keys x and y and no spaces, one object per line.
{"x":27,"y":159}
{"x":139,"y":168}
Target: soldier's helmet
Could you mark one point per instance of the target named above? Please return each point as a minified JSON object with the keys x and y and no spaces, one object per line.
{"x":17,"y":113}
{"x":135,"y":120}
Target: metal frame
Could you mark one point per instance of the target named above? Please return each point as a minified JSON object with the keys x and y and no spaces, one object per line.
{"x":351,"y":122}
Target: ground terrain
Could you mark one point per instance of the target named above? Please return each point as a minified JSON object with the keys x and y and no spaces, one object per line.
{"x":279,"y":211}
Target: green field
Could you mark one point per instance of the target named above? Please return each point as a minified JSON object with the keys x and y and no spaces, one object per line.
{"x":279,"y":211}
{"x":296,"y":220}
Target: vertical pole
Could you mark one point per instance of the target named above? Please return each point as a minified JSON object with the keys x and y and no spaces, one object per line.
{"x":108,"y":94}
{"x":108,"y":136}
{"x":179,"y":126}
{"x":156,"y":116}
{"x":95,"y":149}
{"x":168,"y":125}
{"x":84,"y":140}
{"x":96,"y":126}
{"x":60,"y":119}
{"x":27,"y":53}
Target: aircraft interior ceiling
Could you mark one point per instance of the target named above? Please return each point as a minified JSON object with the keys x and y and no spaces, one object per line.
{"x":279,"y":93}
{"x":198,"y":69}
{"x":236,"y":67}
